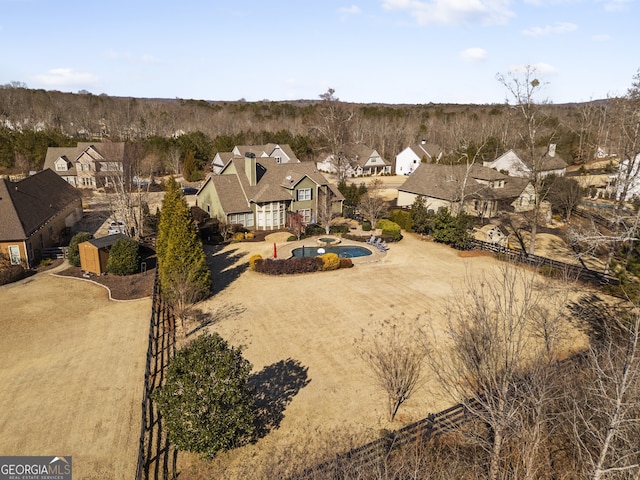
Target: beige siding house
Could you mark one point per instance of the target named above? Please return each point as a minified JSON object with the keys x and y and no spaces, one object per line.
{"x":89,"y":165}
{"x":479,"y":191}
{"x":34,"y":213}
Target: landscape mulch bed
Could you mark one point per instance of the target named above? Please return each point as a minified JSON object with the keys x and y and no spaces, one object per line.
{"x":125,"y":287}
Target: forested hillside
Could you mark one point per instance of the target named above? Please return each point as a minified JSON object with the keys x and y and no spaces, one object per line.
{"x":175,"y":129}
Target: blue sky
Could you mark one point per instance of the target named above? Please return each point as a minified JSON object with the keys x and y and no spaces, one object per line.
{"x":369,"y":51}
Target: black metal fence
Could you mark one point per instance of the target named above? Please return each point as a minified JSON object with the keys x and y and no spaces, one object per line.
{"x":156,"y":456}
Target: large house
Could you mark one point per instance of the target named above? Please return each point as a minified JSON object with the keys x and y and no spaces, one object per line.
{"x":88,"y":165}
{"x":411,"y":157}
{"x":34,"y":213}
{"x":547,"y":163}
{"x":357,"y":160}
{"x":259,"y":193}
{"x":281,"y":153}
{"x":482,"y":191}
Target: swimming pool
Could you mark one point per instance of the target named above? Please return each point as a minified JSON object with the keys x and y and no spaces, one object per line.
{"x":343,"y":251}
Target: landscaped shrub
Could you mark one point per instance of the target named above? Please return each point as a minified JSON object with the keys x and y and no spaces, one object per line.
{"x":12,"y":273}
{"x":402,"y":218}
{"x":346,"y":263}
{"x":366,"y":226}
{"x":253,"y":259}
{"x":330,"y":261}
{"x":288,"y":266}
{"x":73,"y":254}
{"x":238,"y":236}
{"x":342,"y":228}
{"x":390,"y":230}
{"x":124,"y":257}
{"x":313,"y":229}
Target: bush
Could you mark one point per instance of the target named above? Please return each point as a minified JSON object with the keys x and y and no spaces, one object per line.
{"x":253,"y":259}
{"x":366,"y":226}
{"x":207,"y":402}
{"x":390,"y":230}
{"x":330,"y":261}
{"x":342,"y":228}
{"x":73,"y":254}
{"x":402,"y":218}
{"x":346,"y":263}
{"x":124,"y":257}
{"x":313,"y":229}
{"x":12,"y":273}
{"x":238,"y":237}
{"x":288,"y":266}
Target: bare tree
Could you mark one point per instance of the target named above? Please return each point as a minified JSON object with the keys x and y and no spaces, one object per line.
{"x":396,"y":358}
{"x":606,"y":417}
{"x":494,"y":331}
{"x":372,"y":205}
{"x":296,"y":223}
{"x":325,"y":213}
{"x":523,"y":89}
{"x":333,"y":132}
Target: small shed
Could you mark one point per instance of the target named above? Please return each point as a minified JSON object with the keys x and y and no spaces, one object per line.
{"x":94,"y":253}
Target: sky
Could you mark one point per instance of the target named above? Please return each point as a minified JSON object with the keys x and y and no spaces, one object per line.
{"x":368,"y":51}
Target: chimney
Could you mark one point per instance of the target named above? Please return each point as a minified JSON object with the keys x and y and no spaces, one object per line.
{"x":250,"y":167}
{"x":552,"y":149}
{"x":423,"y":142}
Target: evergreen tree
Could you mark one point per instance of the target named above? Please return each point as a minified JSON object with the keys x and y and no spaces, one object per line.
{"x":206,"y":401}
{"x":184,"y":274}
{"x":123,"y":257}
{"x":169,"y":203}
{"x":420,"y":216}
{"x":73,"y":254}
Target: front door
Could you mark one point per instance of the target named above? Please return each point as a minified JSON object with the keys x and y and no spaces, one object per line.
{"x":14,"y":254}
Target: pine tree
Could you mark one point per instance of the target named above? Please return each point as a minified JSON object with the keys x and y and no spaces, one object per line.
{"x":184,"y":274}
{"x":171,"y":199}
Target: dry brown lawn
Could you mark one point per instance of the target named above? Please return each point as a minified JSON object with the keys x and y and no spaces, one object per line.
{"x":310,"y":322}
{"x":71,"y":370}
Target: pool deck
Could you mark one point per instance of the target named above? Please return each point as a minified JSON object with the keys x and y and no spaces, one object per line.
{"x":285,"y":248}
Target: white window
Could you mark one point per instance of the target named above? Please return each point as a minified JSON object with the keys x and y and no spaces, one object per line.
{"x":278,"y":160}
{"x":304,"y":194}
{"x":14,"y":254}
{"x":306,"y":215}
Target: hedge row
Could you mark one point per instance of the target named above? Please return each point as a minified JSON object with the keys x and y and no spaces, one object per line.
{"x":271,"y":266}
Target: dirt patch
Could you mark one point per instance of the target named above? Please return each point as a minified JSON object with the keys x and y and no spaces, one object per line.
{"x":122,"y":287}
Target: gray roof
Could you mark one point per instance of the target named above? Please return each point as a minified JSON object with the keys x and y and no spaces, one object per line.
{"x":445,"y":182}
{"x":28,"y":204}
{"x":360,"y":153}
{"x":107,"y":240}
{"x":431,"y":150}
{"x":236,"y":193}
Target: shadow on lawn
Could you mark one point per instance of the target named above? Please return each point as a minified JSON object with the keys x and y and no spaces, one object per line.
{"x":224,"y":267}
{"x":275,"y":386}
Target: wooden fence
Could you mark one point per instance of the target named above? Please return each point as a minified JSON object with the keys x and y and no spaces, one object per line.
{"x":569,"y":270}
{"x":156,"y":456}
{"x":367,"y":456}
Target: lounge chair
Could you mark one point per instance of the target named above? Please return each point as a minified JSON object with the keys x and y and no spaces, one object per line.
{"x":372,"y":240}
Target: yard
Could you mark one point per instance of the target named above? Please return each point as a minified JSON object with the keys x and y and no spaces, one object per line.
{"x":71,"y":370}
{"x":301,"y":330}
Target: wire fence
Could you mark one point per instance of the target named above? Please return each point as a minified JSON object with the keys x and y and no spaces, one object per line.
{"x":156,"y":456}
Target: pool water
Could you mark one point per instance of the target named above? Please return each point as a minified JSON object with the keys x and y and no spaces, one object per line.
{"x":343,"y":251}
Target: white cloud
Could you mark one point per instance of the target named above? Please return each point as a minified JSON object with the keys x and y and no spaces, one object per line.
{"x":453,"y":12}
{"x":114,"y":55}
{"x":616,"y":5}
{"x":352,"y":10}
{"x":557,"y":29}
{"x":474,"y":55}
{"x":603,"y":37}
{"x":146,"y":58}
{"x":66,"y":77}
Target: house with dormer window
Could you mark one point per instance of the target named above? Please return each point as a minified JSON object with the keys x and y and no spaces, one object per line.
{"x":88,"y":165}
{"x":477,"y":190}
{"x":259,"y":193}
{"x":281,"y":153}
{"x":356,"y":160}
